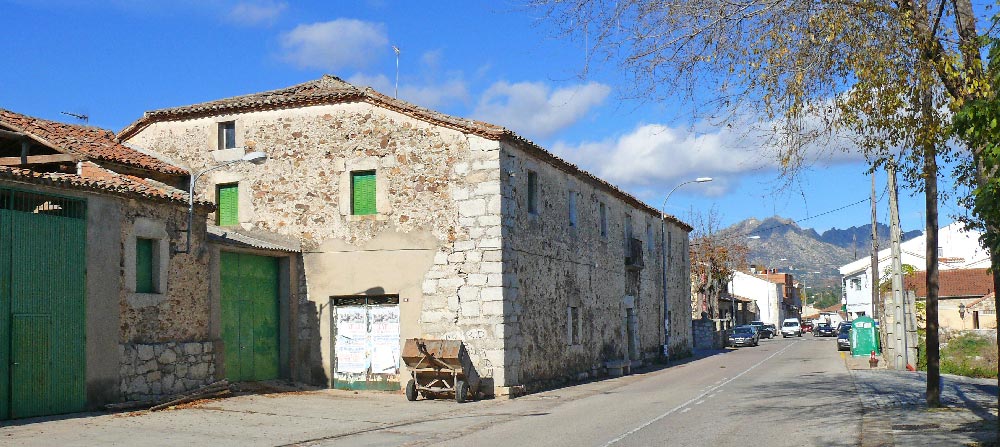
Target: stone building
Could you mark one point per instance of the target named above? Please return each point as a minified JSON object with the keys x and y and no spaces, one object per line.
{"x":413,"y":223}
{"x":95,"y":306}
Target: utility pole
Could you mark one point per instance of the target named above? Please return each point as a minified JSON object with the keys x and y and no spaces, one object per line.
{"x":901,"y":339}
{"x":873,"y":281}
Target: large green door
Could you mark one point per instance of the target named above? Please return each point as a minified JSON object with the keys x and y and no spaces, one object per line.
{"x":250,"y":316}
{"x":42,"y":304}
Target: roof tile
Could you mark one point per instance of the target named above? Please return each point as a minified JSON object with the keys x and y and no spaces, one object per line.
{"x":952,"y":283}
{"x":86,"y":141}
{"x":331,"y":89}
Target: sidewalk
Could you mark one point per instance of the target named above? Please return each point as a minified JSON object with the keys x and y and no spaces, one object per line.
{"x":896,"y":413}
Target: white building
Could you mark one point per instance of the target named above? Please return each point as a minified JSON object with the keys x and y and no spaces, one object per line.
{"x":957,"y":249}
{"x":768,"y":295}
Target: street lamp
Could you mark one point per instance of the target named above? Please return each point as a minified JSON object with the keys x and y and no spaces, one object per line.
{"x":251,"y":157}
{"x":663,"y":249}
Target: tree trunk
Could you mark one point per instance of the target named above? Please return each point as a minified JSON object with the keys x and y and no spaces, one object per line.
{"x":931,"y":256}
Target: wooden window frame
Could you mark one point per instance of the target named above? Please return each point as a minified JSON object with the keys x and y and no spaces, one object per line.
{"x":224,"y":141}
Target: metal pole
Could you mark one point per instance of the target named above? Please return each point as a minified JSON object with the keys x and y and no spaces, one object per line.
{"x":873,"y":281}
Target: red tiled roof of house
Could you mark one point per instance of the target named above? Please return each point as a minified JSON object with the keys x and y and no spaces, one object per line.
{"x":97,"y":179}
{"x":986,"y":298}
{"x":86,"y":141}
{"x":952,"y":283}
{"x":331,"y":89}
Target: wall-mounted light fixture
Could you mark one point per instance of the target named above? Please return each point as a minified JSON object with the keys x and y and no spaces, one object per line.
{"x":255,"y":157}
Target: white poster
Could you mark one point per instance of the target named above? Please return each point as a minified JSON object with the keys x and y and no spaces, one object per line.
{"x":352,"y":340}
{"x":384,"y":339}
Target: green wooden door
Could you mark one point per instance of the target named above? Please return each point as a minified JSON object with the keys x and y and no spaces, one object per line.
{"x":42,"y":304}
{"x":250,"y":316}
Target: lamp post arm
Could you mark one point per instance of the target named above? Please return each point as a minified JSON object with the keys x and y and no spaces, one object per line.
{"x":190,"y":216}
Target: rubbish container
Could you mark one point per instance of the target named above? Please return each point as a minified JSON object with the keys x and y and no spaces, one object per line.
{"x":864,"y":337}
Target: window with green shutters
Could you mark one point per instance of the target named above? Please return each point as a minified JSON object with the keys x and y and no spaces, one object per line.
{"x":363,"y":193}
{"x":228,"y":198}
{"x":144,"y":265}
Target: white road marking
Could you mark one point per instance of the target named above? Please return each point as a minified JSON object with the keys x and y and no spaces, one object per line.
{"x":686,"y":410}
{"x":712,"y":395}
{"x":700,"y":402}
{"x":693,"y":399}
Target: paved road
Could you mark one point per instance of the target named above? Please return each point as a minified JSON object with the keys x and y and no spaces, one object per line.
{"x":787,"y":392}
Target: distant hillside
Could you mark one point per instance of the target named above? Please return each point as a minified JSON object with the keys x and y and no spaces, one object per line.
{"x":860,"y":236}
{"x":803,"y":252}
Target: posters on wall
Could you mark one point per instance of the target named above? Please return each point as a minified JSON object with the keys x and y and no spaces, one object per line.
{"x":384,"y":336}
{"x":367,"y":340}
{"x":352,"y":334}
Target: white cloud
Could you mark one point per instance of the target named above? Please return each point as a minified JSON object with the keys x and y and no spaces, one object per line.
{"x":256,"y":13}
{"x":654,"y":154}
{"x":534,"y":109}
{"x":334,"y":45}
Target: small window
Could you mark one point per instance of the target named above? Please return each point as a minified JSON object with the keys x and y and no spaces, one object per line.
{"x":363,"y":193}
{"x":572,"y":208}
{"x":227,"y":197}
{"x":227,"y":135}
{"x":628,"y":230}
{"x":604,"y":219}
{"x":573,"y":325}
{"x":145,"y":265}
{"x":532,"y":192}
{"x":650,"y":237}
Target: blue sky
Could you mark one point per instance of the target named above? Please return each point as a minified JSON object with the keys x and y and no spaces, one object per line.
{"x":490,"y":60}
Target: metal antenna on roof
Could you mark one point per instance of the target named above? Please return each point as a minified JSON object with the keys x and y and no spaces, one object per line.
{"x":396,"y":50}
{"x":78,"y":116}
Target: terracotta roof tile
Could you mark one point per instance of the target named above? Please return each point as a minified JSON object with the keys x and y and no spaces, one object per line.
{"x":952,"y":283}
{"x":331,"y":89}
{"x":102,"y":181}
{"x":85,"y":141}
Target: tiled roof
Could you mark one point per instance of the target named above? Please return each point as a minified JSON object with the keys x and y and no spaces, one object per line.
{"x":86,"y":141}
{"x":101,"y":181}
{"x":987,"y":302}
{"x":952,"y":283}
{"x":331,"y":89}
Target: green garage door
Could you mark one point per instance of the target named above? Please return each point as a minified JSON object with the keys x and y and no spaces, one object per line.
{"x":249,"y":295}
{"x":42,"y":304}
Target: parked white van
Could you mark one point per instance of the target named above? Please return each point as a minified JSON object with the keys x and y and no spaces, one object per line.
{"x":790,"y":327}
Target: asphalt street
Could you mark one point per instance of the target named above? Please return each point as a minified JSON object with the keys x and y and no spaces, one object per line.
{"x":786,"y":392}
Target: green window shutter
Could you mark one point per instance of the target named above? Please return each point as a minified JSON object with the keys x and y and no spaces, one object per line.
{"x":228,"y":198}
{"x":363,"y":193}
{"x":144,"y":266}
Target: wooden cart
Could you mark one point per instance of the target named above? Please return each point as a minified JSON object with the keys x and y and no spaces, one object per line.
{"x":439,"y":367}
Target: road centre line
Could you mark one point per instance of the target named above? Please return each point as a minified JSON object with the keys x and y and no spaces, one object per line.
{"x":686,"y":410}
{"x":700,"y":402}
{"x":693,"y":399}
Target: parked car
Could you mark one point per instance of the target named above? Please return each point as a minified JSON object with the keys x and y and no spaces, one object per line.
{"x":807,"y":326}
{"x":844,"y":338}
{"x":824,"y":330}
{"x":762,"y":329}
{"x":772,"y":329}
{"x":743,"y":336}
{"x":791,"y":327}
{"x":844,"y":324}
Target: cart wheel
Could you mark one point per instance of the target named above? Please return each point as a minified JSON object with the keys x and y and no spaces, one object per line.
{"x":461,"y":391}
{"x":411,"y":390}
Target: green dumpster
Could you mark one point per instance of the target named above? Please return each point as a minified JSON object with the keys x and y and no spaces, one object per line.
{"x":864,"y":337}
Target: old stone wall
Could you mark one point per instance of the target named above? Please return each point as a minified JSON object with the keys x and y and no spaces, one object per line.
{"x":554,"y":269}
{"x":180,"y":309}
{"x":435,"y":240}
{"x":153,"y":370}
{"x":165,"y":345}
{"x":708,"y":334}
